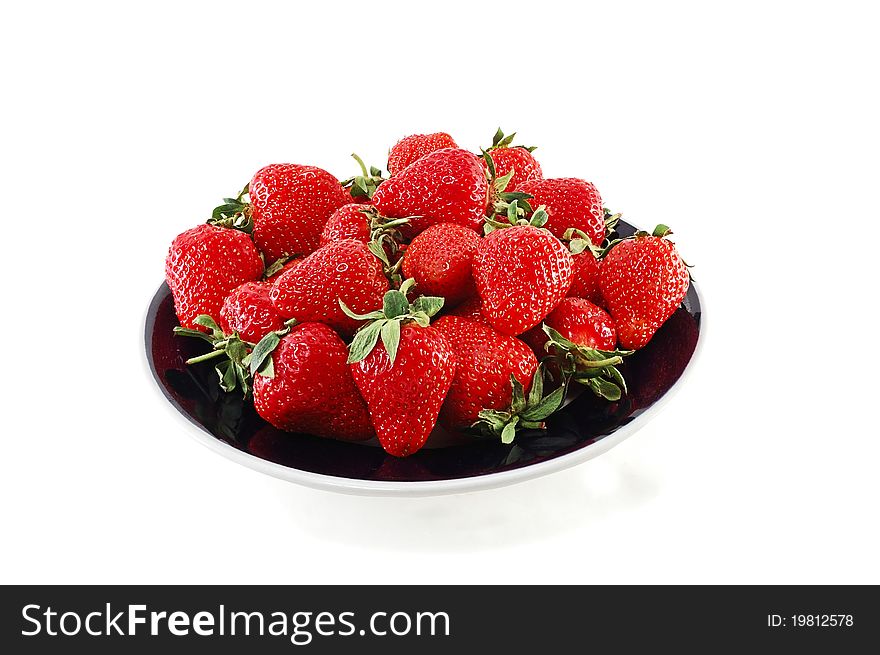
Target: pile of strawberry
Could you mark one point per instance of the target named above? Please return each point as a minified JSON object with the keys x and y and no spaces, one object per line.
{"x":466,"y":290}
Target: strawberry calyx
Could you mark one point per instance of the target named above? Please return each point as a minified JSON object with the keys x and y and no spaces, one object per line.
{"x":387,"y":322}
{"x":502,"y":141}
{"x":515,"y":216}
{"x":660,"y":231}
{"x":365,"y":184}
{"x":611,"y":221}
{"x":578,"y":241}
{"x":524,"y":413}
{"x":232,"y":370}
{"x":242,"y":359}
{"x":234,"y":213}
{"x":385,"y":240}
{"x":499,"y":198}
{"x":594,"y":368}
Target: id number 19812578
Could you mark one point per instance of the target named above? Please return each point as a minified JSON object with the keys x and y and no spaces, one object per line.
{"x":810,"y":621}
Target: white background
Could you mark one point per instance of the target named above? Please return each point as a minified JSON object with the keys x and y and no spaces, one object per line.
{"x":752,"y":130}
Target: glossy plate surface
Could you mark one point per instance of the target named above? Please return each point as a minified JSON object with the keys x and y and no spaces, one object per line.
{"x":586,"y":427}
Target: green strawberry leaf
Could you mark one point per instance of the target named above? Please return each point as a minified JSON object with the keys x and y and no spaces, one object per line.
{"x":510,"y":196}
{"x":242,"y":377}
{"x":394,"y":304}
{"x":539,"y":217}
{"x":198,"y":334}
{"x":267,"y":370}
{"x":262,"y":350}
{"x":227,"y":376}
{"x":605,"y":389}
{"x":275,"y":267}
{"x":369,"y":316}
{"x":490,"y":163}
{"x":577,"y":246}
{"x":513,"y":212}
{"x":617,"y":378}
{"x":429,"y":305}
{"x":661,"y":231}
{"x":509,"y":431}
{"x":499,"y":184}
{"x":391,"y":339}
{"x":546,"y":406}
{"x":364,"y":341}
{"x":518,"y":399}
{"x":421,"y":319}
{"x":206,"y":321}
{"x":537,"y":391}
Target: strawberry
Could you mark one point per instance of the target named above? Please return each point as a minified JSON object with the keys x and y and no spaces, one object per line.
{"x":517,"y":160}
{"x":485,"y":361}
{"x":289,"y":205}
{"x":439,"y":259}
{"x":585,"y":277}
{"x":445,"y":186}
{"x":248,"y":311}
{"x":521,"y":272}
{"x":470,"y":309}
{"x":203,"y":265}
{"x":342,"y":270}
{"x":581,"y":338}
{"x":584,"y":265}
{"x":405,"y":380}
{"x":579,"y":321}
{"x":347,"y":222}
{"x":643,"y":281}
{"x":413,"y":148}
{"x":308,"y":387}
{"x":569,"y":203}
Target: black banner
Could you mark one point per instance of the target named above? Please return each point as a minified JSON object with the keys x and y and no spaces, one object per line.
{"x":423,"y":619}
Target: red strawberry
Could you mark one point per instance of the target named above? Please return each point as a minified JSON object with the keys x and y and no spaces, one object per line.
{"x":406,"y":379}
{"x":342,"y":270}
{"x":413,"y":148}
{"x":521,"y":273}
{"x":485,"y":360}
{"x":309,"y":387}
{"x":516,"y":159}
{"x":439,"y":259}
{"x":290,"y":204}
{"x":445,"y":186}
{"x":585,"y":277}
{"x":249,"y":311}
{"x":470,"y":309}
{"x":643,"y":281}
{"x":203,"y":265}
{"x":570,"y":203}
{"x":579,"y":321}
{"x":347,"y":222}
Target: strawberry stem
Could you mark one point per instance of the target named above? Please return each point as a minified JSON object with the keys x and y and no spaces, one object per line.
{"x":365,"y":184}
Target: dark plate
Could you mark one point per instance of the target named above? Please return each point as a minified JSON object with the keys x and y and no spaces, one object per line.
{"x":232,"y":427}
